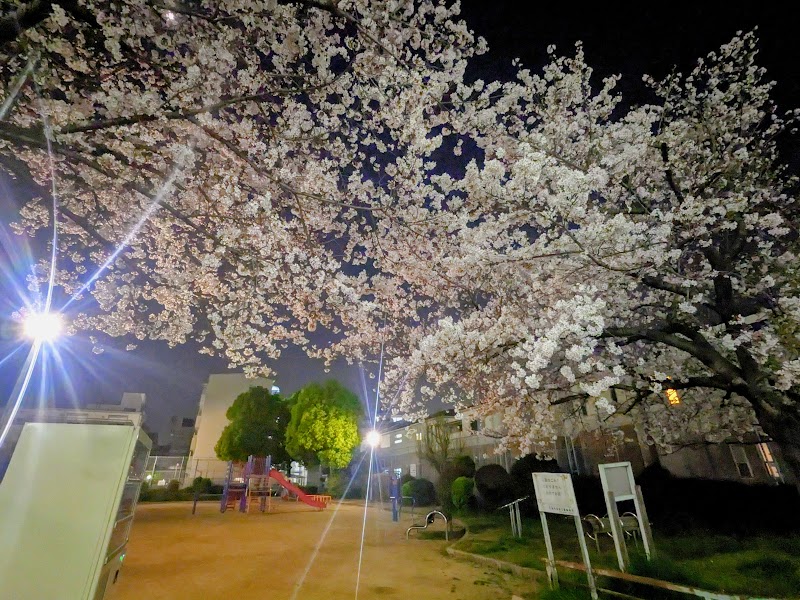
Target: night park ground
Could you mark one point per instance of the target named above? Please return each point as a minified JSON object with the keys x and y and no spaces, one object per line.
{"x":174,"y":555}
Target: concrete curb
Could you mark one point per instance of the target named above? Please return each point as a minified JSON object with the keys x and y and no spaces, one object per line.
{"x":500,"y":565}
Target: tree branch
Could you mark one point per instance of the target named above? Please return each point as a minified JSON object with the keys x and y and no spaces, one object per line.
{"x":31,"y":14}
{"x":670,"y":177}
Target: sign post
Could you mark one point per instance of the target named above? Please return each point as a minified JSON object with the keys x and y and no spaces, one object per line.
{"x":619,"y":485}
{"x":555,"y":495}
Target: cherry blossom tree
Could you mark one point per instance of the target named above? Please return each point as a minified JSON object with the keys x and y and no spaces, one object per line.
{"x":598,"y":246}
{"x":228,"y":149}
{"x":277,"y":168}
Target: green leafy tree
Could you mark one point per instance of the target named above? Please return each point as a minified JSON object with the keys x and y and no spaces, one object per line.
{"x":324,"y":424}
{"x":258,"y":422}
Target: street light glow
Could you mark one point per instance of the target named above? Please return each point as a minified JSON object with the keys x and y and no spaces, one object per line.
{"x":43,"y":327}
{"x":373,"y":438}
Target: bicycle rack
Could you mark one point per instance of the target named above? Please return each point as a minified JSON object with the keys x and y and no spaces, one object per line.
{"x":431,"y":516}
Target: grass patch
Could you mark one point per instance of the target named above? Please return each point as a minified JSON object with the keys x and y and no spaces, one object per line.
{"x":666,"y":569}
{"x":762,"y":565}
{"x":781,"y":574}
{"x":439,"y":535}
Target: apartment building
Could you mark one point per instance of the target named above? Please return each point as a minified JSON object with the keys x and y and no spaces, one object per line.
{"x":218,"y":395}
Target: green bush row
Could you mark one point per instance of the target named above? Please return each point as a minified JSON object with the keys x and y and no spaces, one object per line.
{"x":172,"y":492}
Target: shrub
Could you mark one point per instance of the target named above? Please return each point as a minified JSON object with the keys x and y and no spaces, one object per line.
{"x":464,"y":466}
{"x":421,"y":490}
{"x":444,"y":487}
{"x":338,"y":483}
{"x":310,"y":489}
{"x":521,"y":472}
{"x":202,"y":485}
{"x":174,"y":486}
{"x":493,"y":486}
{"x":144,"y":492}
{"x":462,"y":490}
{"x":406,"y":477}
{"x":726,"y":507}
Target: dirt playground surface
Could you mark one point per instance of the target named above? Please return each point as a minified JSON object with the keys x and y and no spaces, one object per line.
{"x":173,"y":555}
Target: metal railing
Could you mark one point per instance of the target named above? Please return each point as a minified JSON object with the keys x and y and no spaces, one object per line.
{"x":429,"y":519}
{"x":164,"y":469}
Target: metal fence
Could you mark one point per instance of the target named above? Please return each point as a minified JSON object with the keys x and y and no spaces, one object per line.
{"x":163,"y":469}
{"x":211,"y":468}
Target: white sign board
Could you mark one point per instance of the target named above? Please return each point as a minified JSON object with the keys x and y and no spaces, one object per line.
{"x":619,"y":485}
{"x":555,"y":494}
{"x":618,"y":478}
{"x":412,"y":469}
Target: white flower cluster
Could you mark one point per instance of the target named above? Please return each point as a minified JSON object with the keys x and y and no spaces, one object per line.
{"x":510,"y":244}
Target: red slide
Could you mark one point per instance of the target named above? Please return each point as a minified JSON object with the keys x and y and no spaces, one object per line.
{"x":301,"y":495}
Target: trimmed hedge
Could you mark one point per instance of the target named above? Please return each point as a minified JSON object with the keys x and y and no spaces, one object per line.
{"x":493,"y":486}
{"x":422,"y":490}
{"x":464,"y":466}
{"x":173,"y":493}
{"x":681,"y":505}
{"x":521,"y":473}
{"x":462,"y":492}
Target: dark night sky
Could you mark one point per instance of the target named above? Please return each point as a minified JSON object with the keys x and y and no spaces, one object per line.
{"x":646,"y":38}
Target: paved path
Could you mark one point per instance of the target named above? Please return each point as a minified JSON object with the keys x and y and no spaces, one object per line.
{"x":174,"y":555}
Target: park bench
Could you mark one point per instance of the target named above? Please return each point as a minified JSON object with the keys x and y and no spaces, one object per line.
{"x":597,"y":526}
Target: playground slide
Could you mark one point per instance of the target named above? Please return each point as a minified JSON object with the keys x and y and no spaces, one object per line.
{"x":301,"y":495}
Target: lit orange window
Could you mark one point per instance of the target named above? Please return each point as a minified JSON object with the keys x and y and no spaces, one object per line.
{"x":673,"y":397}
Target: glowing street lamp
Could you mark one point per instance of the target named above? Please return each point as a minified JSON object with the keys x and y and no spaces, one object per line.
{"x":43,"y":327}
{"x":373,"y":439}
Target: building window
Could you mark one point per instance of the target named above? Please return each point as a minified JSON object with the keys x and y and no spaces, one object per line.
{"x":769,"y":461}
{"x":673,"y":397}
{"x":419,"y":436}
{"x":741,"y":462}
{"x":398,"y":438}
{"x":474,"y":425}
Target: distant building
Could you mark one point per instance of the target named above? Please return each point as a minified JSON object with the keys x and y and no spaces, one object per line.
{"x":469,"y":436}
{"x":218,"y":395}
{"x":589,"y":438}
{"x":131,"y":402}
{"x":181,"y":431}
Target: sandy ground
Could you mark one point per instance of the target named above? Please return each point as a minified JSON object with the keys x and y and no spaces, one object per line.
{"x":279,"y":556}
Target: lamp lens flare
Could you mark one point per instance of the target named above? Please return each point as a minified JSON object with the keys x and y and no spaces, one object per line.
{"x":43,"y":327}
{"x":373,"y":438}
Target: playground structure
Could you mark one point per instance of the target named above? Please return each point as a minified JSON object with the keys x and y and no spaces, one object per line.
{"x":251,"y":483}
